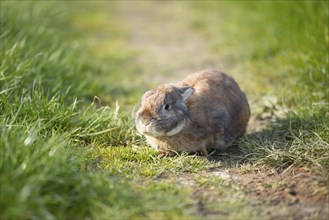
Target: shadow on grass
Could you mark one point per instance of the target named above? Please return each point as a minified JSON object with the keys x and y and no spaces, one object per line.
{"x":298,"y":139}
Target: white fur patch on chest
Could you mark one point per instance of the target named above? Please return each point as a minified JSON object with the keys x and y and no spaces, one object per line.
{"x":177,"y":129}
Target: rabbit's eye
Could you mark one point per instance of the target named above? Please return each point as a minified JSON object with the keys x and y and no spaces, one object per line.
{"x":167,"y":107}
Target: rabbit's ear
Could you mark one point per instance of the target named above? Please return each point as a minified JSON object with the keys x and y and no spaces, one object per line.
{"x":147,"y":94}
{"x":186,"y":92}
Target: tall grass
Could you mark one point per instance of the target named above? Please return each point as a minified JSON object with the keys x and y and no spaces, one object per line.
{"x":44,"y":166}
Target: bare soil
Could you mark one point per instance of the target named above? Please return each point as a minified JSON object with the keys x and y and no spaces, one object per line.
{"x":295,"y":188}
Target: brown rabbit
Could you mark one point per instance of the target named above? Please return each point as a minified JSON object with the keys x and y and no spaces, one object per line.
{"x":207,"y":110}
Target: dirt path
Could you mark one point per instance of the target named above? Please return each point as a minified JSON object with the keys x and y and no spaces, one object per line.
{"x":170,"y":49}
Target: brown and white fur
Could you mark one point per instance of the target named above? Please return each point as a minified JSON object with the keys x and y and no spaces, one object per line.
{"x":207,"y":110}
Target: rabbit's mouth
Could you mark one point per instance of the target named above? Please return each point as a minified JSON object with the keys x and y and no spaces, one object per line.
{"x":152,"y":129}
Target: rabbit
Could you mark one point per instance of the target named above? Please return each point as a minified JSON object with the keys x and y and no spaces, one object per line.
{"x":206,"y":111}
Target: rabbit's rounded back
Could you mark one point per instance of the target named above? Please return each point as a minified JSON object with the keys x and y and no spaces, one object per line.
{"x":206,"y":110}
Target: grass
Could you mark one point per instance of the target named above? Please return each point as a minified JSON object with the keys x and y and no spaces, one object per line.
{"x":68,"y":144}
{"x":291,"y":53}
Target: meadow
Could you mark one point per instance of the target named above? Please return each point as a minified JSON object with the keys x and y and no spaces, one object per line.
{"x":73,"y":72}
